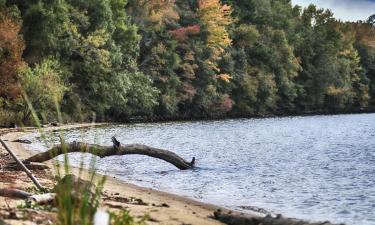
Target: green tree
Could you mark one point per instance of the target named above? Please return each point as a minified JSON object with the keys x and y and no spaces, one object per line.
{"x":96,"y":42}
{"x":43,"y":89}
{"x":331,"y":76}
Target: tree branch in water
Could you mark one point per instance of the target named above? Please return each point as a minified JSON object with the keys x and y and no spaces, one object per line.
{"x":116,"y":149}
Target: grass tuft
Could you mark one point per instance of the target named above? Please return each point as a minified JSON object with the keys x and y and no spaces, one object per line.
{"x":77,"y":198}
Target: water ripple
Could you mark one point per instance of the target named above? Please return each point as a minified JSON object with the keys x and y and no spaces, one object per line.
{"x":316,"y":168}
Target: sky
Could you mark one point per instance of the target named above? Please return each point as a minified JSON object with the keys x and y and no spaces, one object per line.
{"x":345,"y":10}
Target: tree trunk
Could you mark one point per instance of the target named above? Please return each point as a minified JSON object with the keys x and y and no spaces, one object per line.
{"x":14,"y":193}
{"x":22,"y":165}
{"x":116,"y":149}
{"x":234,"y":218}
{"x":42,"y":199}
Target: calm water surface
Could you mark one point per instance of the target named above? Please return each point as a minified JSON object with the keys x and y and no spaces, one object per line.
{"x":315,"y":168}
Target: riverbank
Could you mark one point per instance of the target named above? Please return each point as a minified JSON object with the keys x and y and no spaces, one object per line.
{"x":162,"y":119}
{"x":161,"y":207}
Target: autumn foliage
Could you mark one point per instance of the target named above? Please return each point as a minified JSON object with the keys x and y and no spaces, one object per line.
{"x":215,"y":17}
{"x":183,"y":33}
{"x":123,"y":59}
{"x":155,"y":12}
{"x":365,"y":33}
{"x":11,"y":49}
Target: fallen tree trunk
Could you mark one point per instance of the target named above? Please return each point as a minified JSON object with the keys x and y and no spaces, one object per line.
{"x":116,"y":149}
{"x":232,"y":218}
{"x":30,"y":198}
{"x":14,"y":193}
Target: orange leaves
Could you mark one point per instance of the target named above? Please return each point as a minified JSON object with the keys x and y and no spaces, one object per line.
{"x":365,"y":33}
{"x":11,"y":49}
{"x":224,"y":77}
{"x":182,"y":34}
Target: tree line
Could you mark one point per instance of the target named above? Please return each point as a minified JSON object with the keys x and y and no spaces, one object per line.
{"x":113,"y":60}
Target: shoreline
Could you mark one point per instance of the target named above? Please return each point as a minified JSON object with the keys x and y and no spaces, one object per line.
{"x":161,"y":207}
{"x":160,"y":119}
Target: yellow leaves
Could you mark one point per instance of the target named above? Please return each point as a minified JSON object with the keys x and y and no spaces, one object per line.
{"x":215,"y":17}
{"x":221,"y":76}
{"x":224,"y":77}
{"x":104,"y":57}
{"x":94,"y":46}
{"x":189,"y":56}
{"x":98,"y":38}
{"x":345,"y":52}
{"x":43,"y":82}
{"x":163,"y":10}
{"x":212,"y":65}
{"x":158,"y":12}
{"x":336,"y":91}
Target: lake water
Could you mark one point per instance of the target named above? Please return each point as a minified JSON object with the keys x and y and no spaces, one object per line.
{"x":317,"y":168}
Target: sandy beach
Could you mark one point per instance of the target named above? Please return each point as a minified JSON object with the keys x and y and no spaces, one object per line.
{"x":158,"y":207}
{"x":162,"y":208}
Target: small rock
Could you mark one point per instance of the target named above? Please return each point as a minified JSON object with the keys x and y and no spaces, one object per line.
{"x":165,"y":205}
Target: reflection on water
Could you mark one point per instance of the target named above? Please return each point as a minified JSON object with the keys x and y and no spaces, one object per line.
{"x":319,"y":167}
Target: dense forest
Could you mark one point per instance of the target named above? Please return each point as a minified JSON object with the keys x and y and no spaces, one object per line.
{"x":114,"y":60}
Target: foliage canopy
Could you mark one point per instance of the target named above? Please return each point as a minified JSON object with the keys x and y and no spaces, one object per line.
{"x":119,"y":59}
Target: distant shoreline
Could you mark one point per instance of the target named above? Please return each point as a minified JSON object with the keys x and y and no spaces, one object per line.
{"x":159,"y":119}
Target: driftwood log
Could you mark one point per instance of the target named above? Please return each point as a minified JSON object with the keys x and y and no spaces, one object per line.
{"x":116,"y":149}
{"x":30,"y":198}
{"x":14,"y":193}
{"x":42,"y":199}
{"x":233,"y":218}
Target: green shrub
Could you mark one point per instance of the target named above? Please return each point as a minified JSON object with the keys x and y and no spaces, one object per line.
{"x":43,"y":88}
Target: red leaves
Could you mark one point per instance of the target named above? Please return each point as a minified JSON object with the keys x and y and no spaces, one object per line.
{"x":182,"y":33}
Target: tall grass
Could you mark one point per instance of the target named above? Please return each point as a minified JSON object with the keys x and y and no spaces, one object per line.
{"x":7,"y":118}
{"x":78,"y":197}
